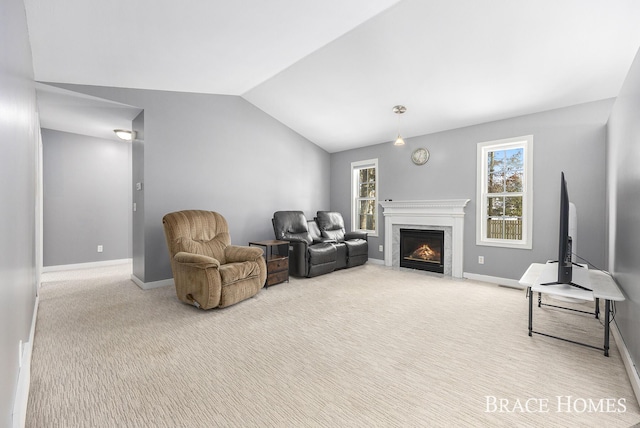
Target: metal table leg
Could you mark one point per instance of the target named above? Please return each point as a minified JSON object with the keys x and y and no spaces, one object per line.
{"x":607,"y":311}
{"x":531,"y":309}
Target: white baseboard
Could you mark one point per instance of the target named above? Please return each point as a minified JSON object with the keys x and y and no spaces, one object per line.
{"x":632,"y":370}
{"x":24,"y":377}
{"x":85,"y":265}
{"x":150,"y":285}
{"x":376,"y":261}
{"x":493,"y":280}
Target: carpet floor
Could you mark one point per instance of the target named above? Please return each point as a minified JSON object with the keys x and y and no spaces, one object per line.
{"x":369,"y":346}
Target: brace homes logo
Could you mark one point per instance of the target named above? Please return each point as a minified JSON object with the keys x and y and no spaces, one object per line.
{"x":557,"y":404}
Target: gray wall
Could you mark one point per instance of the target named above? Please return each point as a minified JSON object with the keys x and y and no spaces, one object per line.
{"x":570,"y":139}
{"x":219,"y":153}
{"x":623,"y":185}
{"x":18,"y":148}
{"x":87,"y":198}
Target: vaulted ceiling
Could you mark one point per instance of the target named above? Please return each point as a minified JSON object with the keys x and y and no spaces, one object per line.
{"x":332,"y":70}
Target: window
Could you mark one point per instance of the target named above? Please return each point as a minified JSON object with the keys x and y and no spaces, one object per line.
{"x":364,"y":196}
{"x":504,"y":207}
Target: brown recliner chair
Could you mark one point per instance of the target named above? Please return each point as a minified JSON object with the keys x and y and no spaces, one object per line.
{"x":208,"y":271}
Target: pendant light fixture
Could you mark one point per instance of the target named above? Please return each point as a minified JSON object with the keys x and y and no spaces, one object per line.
{"x":399,"y":110}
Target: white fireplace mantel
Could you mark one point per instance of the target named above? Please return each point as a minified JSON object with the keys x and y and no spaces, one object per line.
{"x":439,"y":213}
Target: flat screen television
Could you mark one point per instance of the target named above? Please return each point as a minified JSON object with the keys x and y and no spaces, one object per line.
{"x":565,"y":266}
{"x":565,"y":261}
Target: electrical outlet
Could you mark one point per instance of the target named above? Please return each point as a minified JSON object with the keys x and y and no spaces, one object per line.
{"x":481,"y":260}
{"x":100,"y":248}
{"x":380,"y":248}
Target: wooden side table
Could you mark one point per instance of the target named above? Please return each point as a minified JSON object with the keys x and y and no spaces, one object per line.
{"x":278,"y":263}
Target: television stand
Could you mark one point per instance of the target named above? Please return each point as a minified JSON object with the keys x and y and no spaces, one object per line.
{"x":602,"y":285}
{"x":573,"y":284}
{"x":568,"y":283}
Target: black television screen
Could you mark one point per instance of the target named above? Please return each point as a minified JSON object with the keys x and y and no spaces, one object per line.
{"x":565,"y":260}
{"x":564,"y":239}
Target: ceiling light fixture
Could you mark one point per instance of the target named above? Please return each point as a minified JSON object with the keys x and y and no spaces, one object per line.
{"x":125,"y":134}
{"x":399,"y":110}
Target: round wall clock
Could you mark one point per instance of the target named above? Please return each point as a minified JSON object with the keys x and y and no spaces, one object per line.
{"x":420,"y":156}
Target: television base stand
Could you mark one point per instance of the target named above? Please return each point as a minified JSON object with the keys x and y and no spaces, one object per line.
{"x":573,"y":284}
{"x":581,"y":287}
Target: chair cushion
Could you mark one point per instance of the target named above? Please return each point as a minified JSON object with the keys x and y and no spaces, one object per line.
{"x":212,"y":248}
{"x":336,"y":235}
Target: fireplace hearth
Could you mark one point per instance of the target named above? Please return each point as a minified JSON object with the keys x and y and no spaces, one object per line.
{"x":422,"y":249}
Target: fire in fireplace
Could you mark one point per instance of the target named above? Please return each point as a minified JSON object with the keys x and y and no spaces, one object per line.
{"x":422,"y":249}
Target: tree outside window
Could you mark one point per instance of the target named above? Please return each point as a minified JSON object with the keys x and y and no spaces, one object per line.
{"x":505,"y":170}
{"x":504,"y":193}
{"x":365,"y":195}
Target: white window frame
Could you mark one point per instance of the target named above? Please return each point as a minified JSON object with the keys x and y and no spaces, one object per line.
{"x":355,"y":168}
{"x":483,"y":149}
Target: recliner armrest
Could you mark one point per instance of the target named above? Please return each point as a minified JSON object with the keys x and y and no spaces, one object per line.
{"x":297,"y":241}
{"x":196,"y":260}
{"x":356,"y":235}
{"x":322,"y":240}
{"x":240,"y":253}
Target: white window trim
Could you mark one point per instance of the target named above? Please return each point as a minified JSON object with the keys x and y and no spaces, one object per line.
{"x":527,"y":202}
{"x":354,"y":191}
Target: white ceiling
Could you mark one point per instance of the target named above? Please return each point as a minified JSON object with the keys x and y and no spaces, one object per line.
{"x":333,"y":70}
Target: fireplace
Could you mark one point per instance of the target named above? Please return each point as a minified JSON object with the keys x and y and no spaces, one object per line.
{"x":422,"y":249}
{"x":440,"y":214}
